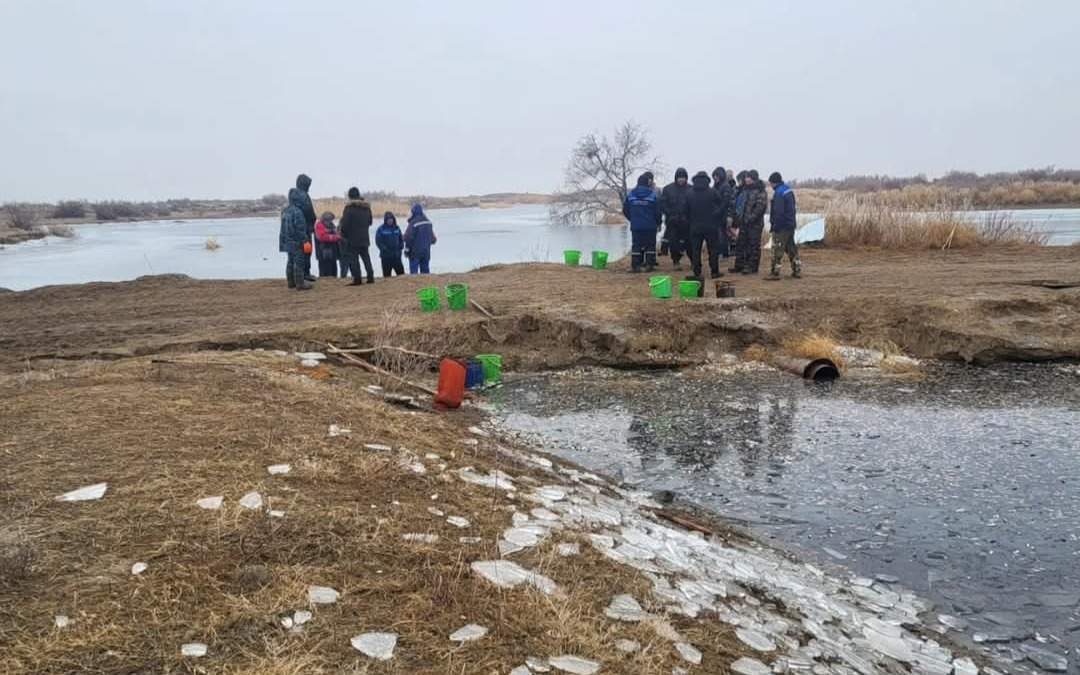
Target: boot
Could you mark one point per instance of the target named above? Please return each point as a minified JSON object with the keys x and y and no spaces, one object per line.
{"x":773,"y":276}
{"x":289,"y":276}
{"x":734,"y":269}
{"x":716,"y":275}
{"x":371,"y":280}
{"x":304,"y":286}
{"x":308,"y":278}
{"x":796,"y":273}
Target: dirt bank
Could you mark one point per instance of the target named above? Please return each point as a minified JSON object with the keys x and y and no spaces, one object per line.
{"x":976,"y":306}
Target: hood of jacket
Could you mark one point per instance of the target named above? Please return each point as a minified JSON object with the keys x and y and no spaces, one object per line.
{"x":303,"y":182}
{"x":296,"y":197}
{"x":701,"y":181}
{"x":417,"y":214}
{"x":358,"y":202}
{"x":389,"y":218}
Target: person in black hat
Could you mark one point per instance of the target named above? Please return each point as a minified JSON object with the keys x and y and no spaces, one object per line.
{"x":303,"y":184}
{"x":677,"y":228}
{"x":701,"y":208}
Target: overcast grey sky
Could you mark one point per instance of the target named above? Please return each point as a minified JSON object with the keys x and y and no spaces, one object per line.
{"x":144,"y":99}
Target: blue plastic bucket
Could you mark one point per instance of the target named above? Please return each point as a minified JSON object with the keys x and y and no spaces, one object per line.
{"x":474,"y":375}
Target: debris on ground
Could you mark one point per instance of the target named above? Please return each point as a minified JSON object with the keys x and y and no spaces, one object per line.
{"x":85,"y":494}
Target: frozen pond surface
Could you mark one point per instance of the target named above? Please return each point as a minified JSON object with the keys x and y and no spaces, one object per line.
{"x":468,"y":238}
{"x":966,"y":486}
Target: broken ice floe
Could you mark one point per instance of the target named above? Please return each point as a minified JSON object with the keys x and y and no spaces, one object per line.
{"x":508,"y":574}
{"x":468,"y":633}
{"x":85,"y":494}
{"x":193,"y":649}
{"x":377,"y":447}
{"x":310,"y":356}
{"x":420,"y":538}
{"x":470,"y":540}
{"x":210,"y":503}
{"x":273,"y":513}
{"x":61,"y":621}
{"x":745,"y":666}
{"x":309,"y":363}
{"x":689,"y":652}
{"x":435,"y":512}
{"x":379,"y":646}
{"x":458,"y":521}
{"x":521,"y":670}
{"x":537,"y":664}
{"x":278,"y":469}
{"x":138,"y":568}
{"x":625,"y":608}
{"x":296,"y":621}
{"x":477,"y":431}
{"x":567,"y":550}
{"x":252,"y":500}
{"x":322,"y":595}
{"x":574,"y":664}
{"x":755,"y":640}
{"x":493,"y":479}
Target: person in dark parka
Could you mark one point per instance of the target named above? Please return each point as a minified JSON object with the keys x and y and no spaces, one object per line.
{"x":752,"y":219}
{"x":303,"y":184}
{"x":291,"y":240}
{"x":736,"y":219}
{"x":782,"y":225}
{"x":391,"y":243}
{"x":642,"y":209}
{"x":726,"y":196}
{"x":356,"y":238}
{"x":702,"y":208}
{"x":676,"y":237}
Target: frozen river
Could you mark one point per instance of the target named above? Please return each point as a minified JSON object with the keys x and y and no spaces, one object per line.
{"x":965,"y":486}
{"x":468,"y":238}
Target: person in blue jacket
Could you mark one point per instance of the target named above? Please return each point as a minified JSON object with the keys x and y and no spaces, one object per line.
{"x":291,"y":240}
{"x":391,"y":243}
{"x":642,"y":209}
{"x":782,"y":224}
{"x":419,"y":238}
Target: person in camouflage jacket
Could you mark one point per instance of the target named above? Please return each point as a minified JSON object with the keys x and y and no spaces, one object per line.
{"x":291,"y":240}
{"x":755,"y":202}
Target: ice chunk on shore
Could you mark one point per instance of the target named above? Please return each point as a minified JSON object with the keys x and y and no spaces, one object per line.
{"x":625,"y":608}
{"x":278,"y":469}
{"x":755,"y":640}
{"x":745,"y":666}
{"x":468,"y":633}
{"x":322,"y":595}
{"x":458,"y":521}
{"x":252,"y":500}
{"x":689,"y":652}
{"x":85,"y":494}
{"x":508,"y":574}
{"x":138,"y":568}
{"x":574,"y":664}
{"x":379,"y":646}
{"x":210,"y":503}
{"x":193,"y":649}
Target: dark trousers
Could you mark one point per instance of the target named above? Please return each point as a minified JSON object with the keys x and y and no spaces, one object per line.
{"x":391,"y":266}
{"x":420,"y":264}
{"x":748,"y":247}
{"x":294,"y":268}
{"x":678,"y":235}
{"x":350,"y":264}
{"x":642,"y":249}
{"x":711,"y":238}
{"x":328,"y":266}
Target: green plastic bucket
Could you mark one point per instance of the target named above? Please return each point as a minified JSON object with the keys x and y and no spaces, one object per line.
{"x":429,"y":299}
{"x":688,"y":288}
{"x":572,"y":257}
{"x":660,"y":286}
{"x":492,"y":364}
{"x":457,"y":296}
{"x":599,"y":260}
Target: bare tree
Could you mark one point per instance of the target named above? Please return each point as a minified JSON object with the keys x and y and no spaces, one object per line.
{"x":21,"y":216}
{"x":600,"y":172}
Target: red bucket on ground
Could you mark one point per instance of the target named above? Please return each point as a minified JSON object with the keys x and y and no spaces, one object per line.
{"x":451,"y":391}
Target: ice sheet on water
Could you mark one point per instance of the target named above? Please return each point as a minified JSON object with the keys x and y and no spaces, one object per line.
{"x":379,"y":646}
{"x":210,"y":503}
{"x":574,"y":664}
{"x":468,"y":633}
{"x":322,"y":595}
{"x":85,"y":494}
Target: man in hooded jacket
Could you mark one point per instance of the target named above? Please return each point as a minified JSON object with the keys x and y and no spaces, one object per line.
{"x":752,"y":222}
{"x":642,"y":209}
{"x":303,"y":184}
{"x":677,"y":231}
{"x":355,"y":230}
{"x":726,"y":195}
{"x":702,"y":209}
{"x":291,"y":240}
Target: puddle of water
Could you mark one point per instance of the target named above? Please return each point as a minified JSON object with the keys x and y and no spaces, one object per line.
{"x":966,"y":486}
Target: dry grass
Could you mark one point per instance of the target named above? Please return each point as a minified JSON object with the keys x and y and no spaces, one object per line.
{"x":164,"y":435}
{"x":813,"y":346}
{"x":871,"y":222}
{"x":756,"y":352}
{"x":336,"y":205}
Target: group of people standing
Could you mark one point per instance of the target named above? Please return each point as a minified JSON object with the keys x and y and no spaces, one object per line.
{"x":341,"y":248}
{"x":725,"y":213}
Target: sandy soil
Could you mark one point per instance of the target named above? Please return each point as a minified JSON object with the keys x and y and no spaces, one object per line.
{"x":976,"y":306}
